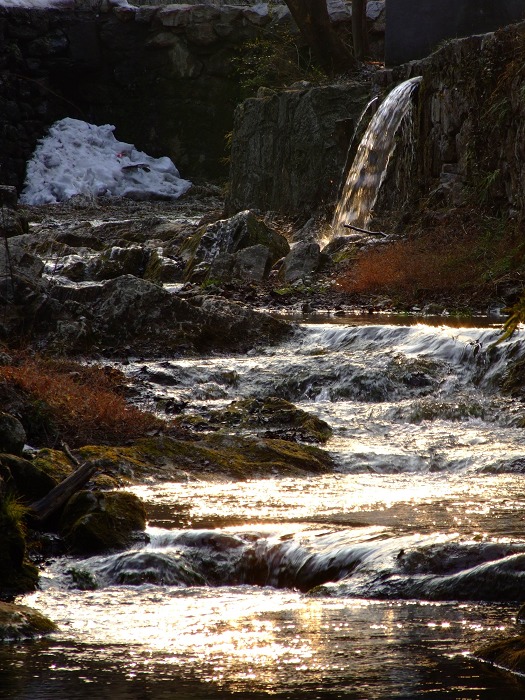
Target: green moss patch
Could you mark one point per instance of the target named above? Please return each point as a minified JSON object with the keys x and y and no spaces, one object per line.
{"x":20,"y":622}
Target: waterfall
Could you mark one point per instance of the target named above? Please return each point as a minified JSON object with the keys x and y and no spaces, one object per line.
{"x":369,"y":168}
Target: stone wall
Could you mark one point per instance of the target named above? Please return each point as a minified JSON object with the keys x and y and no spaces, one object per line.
{"x":471,"y":122}
{"x":415,"y":29}
{"x":162,"y":74}
{"x":467,"y":145}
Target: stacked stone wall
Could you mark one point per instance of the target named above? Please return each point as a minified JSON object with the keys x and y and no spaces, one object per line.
{"x":163,"y":74}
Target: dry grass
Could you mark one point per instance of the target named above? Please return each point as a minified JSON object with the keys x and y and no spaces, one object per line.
{"x":440,"y":261}
{"x":64,"y":400}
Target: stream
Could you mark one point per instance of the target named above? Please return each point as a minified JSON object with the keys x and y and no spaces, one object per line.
{"x":375,"y":581}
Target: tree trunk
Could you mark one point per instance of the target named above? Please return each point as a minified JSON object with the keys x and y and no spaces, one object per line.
{"x":359,"y":29}
{"x":313,"y":20}
{"x":60,"y":495}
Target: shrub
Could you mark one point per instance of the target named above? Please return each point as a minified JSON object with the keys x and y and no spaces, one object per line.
{"x":65,"y":400}
{"x":482,"y":255}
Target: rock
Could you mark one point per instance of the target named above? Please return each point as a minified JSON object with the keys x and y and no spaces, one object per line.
{"x":101,"y":521}
{"x":118,"y":261}
{"x":17,"y":575}
{"x":301,"y":261}
{"x":129,"y":310}
{"x":30,"y":482}
{"x":12,"y":434}
{"x":163,"y":269}
{"x":506,"y":653}
{"x":21,"y":622}
{"x":273,"y":166}
{"x":252,"y":264}
{"x":12,"y":223}
{"x":220,"y":456}
{"x":227,"y":237}
{"x":278,"y":418}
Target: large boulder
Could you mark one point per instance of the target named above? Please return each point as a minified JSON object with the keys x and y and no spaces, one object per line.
{"x":289,"y":148}
{"x":301,"y":262}
{"x":12,"y":434}
{"x":96,"y":522}
{"x":133,"y":312}
{"x":229,"y":236}
{"x":17,"y":575}
{"x":507,"y":653}
{"x":25,"y":477}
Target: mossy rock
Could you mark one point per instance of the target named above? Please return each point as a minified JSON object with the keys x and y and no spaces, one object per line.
{"x":96,"y":522}
{"x":54,"y":463}
{"x":278,"y":417}
{"x":506,"y":653}
{"x":211,"y":456}
{"x":227,"y":236}
{"x":21,"y":622}
{"x":17,"y":575}
{"x":233,"y":456}
{"x":26,"y":478}
{"x":162,"y":269}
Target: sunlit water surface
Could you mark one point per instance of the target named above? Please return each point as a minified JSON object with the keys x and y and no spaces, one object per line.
{"x":376,"y":581}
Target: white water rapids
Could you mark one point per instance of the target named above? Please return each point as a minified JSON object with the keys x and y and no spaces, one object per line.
{"x":375,"y":581}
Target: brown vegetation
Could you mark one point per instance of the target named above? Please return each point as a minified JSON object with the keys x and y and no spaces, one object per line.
{"x":462,"y":255}
{"x":65,"y":400}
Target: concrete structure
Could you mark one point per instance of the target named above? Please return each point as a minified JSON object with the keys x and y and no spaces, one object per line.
{"x":415,"y":27}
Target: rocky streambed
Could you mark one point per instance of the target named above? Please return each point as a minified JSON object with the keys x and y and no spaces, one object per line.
{"x":253,"y":424}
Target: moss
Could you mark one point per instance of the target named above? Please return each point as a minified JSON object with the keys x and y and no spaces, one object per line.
{"x":237,"y":457}
{"x":17,"y":575}
{"x":54,"y":463}
{"x":19,"y":622}
{"x":507,"y":653}
{"x":278,"y":416}
{"x":96,"y":522}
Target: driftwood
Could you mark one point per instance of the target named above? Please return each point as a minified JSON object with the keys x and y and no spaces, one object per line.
{"x":48,"y":505}
{"x":363,"y":230}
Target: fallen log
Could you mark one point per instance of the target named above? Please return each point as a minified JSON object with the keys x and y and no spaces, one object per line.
{"x":364,"y":230}
{"x":52,"y":502}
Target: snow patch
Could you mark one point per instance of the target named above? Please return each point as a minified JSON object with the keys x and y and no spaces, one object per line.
{"x":80,"y":158}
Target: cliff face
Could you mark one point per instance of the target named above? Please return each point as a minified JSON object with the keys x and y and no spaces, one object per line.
{"x":471,"y":122}
{"x":289,"y":148}
{"x":467,"y":144}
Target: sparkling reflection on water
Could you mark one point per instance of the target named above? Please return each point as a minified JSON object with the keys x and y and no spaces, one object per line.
{"x":415,"y":461}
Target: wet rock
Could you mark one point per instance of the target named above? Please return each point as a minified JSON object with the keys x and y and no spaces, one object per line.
{"x":279,"y":418}
{"x":21,"y":622}
{"x":163,"y":269}
{"x":96,"y":521}
{"x":301,"y":262}
{"x":505,"y":653}
{"x":117,"y":261}
{"x":12,"y":434}
{"x":217,"y":456}
{"x":227,"y":237}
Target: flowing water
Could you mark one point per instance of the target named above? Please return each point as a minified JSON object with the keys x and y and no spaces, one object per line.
{"x":370,"y":164}
{"x":375,"y":581}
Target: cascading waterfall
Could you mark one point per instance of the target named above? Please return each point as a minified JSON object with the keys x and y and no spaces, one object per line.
{"x":369,"y":168}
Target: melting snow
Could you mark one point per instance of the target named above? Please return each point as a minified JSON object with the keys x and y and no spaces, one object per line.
{"x":81,"y":158}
